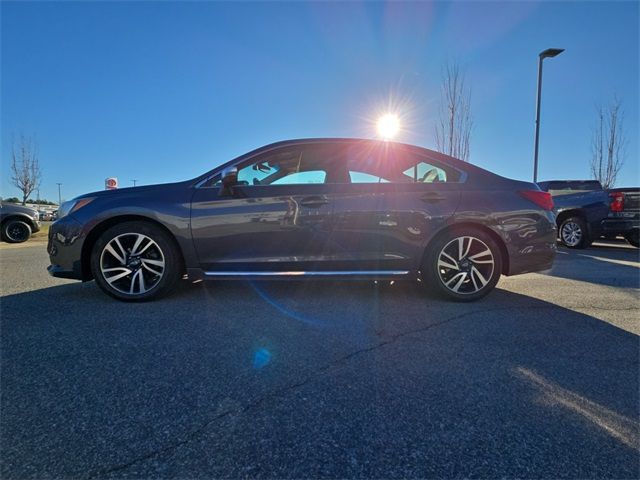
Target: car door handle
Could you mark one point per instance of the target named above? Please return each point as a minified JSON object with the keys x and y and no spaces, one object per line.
{"x":314,"y":202}
{"x":433,"y":197}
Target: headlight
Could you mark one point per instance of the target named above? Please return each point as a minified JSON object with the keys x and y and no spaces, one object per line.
{"x":72,"y":205}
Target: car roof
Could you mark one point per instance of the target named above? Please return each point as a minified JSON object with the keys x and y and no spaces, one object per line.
{"x":346,"y":140}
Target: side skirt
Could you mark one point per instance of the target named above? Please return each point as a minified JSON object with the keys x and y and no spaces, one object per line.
{"x":197,"y":274}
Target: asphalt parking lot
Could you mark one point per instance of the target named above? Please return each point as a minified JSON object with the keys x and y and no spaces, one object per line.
{"x":323,"y":379}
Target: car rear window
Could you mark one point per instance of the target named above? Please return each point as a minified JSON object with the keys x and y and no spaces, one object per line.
{"x":570,"y":187}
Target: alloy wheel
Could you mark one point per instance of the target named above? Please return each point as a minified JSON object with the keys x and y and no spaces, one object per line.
{"x":571,"y":234}
{"x":17,"y":232}
{"x":132,"y":263}
{"x":465,"y":265}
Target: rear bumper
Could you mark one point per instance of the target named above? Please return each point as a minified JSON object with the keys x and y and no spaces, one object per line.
{"x":536,"y":258}
{"x":532,"y":248}
{"x":65,"y":249}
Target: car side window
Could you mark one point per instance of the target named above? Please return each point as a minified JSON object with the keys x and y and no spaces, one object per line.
{"x":362,"y":177}
{"x":386,"y":164}
{"x":297,"y":178}
{"x":426,"y":173}
{"x":291,"y":166}
{"x":256,"y":172}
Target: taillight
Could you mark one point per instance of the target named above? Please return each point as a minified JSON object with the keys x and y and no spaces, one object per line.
{"x":617,"y":201}
{"x":542,"y":199}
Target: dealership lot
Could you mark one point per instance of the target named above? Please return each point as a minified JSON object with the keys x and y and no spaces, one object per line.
{"x":313,"y":379}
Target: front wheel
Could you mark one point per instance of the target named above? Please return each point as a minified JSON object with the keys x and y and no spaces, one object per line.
{"x":574,"y":234}
{"x":16,"y":231}
{"x":462,"y":265}
{"x":135,"y":261}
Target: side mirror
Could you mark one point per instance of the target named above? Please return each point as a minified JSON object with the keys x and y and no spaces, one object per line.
{"x":229,"y":178}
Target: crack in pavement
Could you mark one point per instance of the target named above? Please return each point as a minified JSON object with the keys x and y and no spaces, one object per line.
{"x":194,"y":434}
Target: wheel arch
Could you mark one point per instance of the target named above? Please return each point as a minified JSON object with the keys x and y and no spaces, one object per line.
{"x":504,"y":254}
{"x":100,"y":228}
{"x":17,"y":216}
{"x":572,"y":212}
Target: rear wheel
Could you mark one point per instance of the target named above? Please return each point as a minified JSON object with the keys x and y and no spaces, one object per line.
{"x":16,"y":231}
{"x":462,"y":265}
{"x":633,"y":238}
{"x":573,"y":233}
{"x":135,"y":261}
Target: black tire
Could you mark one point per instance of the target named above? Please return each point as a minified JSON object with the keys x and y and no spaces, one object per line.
{"x":472,"y":285}
{"x":122,"y":238}
{"x":16,"y":231}
{"x":633,"y":238}
{"x":573,"y":233}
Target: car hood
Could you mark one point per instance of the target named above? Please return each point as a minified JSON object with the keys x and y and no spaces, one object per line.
{"x":19,"y":209}
{"x":136,"y":190}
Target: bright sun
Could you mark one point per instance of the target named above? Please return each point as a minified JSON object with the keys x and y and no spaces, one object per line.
{"x":388,"y":126}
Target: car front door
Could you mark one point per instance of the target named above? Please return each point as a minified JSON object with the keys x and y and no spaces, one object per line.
{"x":277,"y":218}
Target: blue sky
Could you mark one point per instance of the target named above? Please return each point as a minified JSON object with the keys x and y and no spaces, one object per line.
{"x":165,"y":91}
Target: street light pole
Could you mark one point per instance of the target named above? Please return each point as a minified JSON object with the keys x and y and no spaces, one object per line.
{"x":59,"y":194}
{"x":134,"y":181}
{"x":548,"y":53}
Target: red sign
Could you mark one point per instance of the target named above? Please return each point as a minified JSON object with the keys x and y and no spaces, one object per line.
{"x":111,"y":183}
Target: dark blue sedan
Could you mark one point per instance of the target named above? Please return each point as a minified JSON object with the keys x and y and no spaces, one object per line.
{"x":319,"y":208}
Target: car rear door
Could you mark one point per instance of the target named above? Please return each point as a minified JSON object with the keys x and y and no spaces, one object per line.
{"x":385,"y":212}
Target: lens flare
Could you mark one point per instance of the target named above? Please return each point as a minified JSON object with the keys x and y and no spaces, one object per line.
{"x":388,"y":126}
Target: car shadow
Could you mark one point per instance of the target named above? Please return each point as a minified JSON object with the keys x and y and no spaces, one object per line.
{"x":608,"y":263}
{"x":383,"y":379}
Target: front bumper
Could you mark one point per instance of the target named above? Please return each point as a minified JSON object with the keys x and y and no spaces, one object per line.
{"x":65,"y":249}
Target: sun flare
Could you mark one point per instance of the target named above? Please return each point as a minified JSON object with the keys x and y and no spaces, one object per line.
{"x":388,"y":126}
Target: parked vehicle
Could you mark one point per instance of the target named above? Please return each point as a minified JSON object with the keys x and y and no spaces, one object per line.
{"x":17,"y":222}
{"x":45,"y":215}
{"x":624,"y":214}
{"x":320,"y":208}
{"x":581,"y":205}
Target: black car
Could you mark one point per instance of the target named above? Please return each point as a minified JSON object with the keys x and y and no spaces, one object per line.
{"x":319,"y":208}
{"x":580,"y":207}
{"x":18,"y":222}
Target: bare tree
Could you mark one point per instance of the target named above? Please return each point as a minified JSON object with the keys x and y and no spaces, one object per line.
{"x":25,"y":166}
{"x":608,"y":144}
{"x":453,"y":129}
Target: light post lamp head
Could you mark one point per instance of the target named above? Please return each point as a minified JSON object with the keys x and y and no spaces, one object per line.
{"x":551,"y":52}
